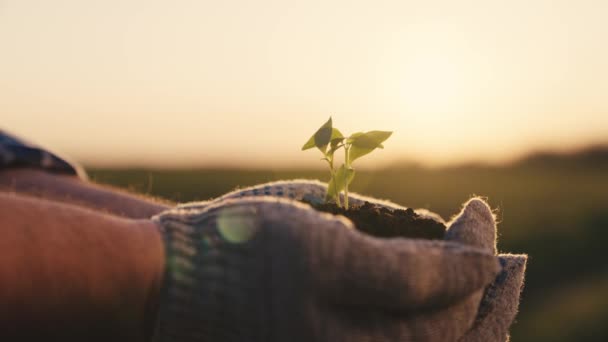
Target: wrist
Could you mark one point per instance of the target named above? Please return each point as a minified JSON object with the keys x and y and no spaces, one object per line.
{"x":154,"y":263}
{"x":211,"y":284}
{"x":74,"y":274}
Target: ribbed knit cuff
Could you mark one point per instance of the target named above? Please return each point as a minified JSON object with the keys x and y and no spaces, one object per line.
{"x":211,"y":286}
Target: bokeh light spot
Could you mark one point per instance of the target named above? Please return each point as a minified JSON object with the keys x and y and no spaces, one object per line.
{"x":238,"y":224}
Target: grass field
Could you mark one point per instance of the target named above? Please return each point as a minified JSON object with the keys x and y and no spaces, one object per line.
{"x":554,"y":208}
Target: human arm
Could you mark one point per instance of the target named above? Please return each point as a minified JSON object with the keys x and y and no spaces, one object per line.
{"x":73,"y":274}
{"x":237,"y":269}
{"x":73,"y":190}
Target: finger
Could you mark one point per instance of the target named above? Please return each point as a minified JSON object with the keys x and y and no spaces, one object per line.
{"x":199,"y":205}
{"x":404,"y":274}
{"x":500,"y":302}
{"x":297,"y":189}
{"x":474,"y":226}
{"x":313,"y":191}
{"x":303,"y":190}
{"x":396,"y":274}
{"x":446,"y":324}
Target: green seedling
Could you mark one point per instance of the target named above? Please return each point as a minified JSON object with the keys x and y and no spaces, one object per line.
{"x":329,"y":140}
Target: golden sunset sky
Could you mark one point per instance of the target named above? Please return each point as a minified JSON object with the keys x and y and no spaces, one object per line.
{"x":198,"y":83}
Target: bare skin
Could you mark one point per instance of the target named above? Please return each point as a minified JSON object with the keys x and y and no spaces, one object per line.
{"x":73,"y":274}
{"x":74,"y":266}
{"x":72,"y":190}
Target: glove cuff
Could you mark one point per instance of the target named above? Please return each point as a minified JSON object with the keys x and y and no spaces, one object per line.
{"x":208,"y":288}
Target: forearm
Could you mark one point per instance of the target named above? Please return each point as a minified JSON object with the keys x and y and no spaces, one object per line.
{"x":69,"y":189}
{"x":75,"y":274}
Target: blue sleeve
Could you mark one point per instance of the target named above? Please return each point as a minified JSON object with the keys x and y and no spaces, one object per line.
{"x":16,"y":152}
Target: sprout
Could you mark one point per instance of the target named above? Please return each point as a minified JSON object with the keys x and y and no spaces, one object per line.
{"x":329,"y":140}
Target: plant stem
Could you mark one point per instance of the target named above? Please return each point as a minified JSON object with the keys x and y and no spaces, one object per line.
{"x":332,"y":172}
{"x":346,"y":167}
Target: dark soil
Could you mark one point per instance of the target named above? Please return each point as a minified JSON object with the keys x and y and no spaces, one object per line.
{"x":386,"y":223}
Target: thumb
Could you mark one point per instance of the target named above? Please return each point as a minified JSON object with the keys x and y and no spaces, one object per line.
{"x":297,"y":189}
{"x":474,"y":226}
{"x":353,"y":269}
{"x":500,"y":302}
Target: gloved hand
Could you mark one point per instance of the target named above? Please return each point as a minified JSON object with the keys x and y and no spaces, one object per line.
{"x":272,"y":270}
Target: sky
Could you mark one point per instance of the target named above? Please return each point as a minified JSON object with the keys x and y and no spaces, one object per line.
{"x":245,"y":83}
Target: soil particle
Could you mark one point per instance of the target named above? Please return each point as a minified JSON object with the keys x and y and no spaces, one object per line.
{"x":387,"y":223}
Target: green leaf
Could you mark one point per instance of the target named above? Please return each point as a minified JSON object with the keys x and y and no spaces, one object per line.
{"x":336,"y":134}
{"x":365,"y":143}
{"x":371,"y":139}
{"x":336,"y":139}
{"x":321,"y":138}
{"x":353,"y":136}
{"x":338,"y":181}
{"x":380,"y":136}
{"x":357,"y":152}
{"x":309,"y":144}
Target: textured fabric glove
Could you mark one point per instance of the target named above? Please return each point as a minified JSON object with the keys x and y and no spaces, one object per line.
{"x":267,"y":269}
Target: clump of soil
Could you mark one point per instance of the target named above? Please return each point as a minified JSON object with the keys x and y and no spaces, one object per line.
{"x":382,"y":222}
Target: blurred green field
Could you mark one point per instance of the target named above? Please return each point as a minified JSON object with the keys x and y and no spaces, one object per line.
{"x":552,"y":207}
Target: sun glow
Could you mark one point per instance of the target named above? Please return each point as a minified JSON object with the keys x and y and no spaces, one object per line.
{"x":239,"y":82}
{"x":435,"y":78}
{"x":432,"y":85}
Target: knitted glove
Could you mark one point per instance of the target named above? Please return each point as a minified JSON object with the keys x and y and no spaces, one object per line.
{"x":302,"y":190}
{"x":475,"y":225}
{"x":273,"y":270}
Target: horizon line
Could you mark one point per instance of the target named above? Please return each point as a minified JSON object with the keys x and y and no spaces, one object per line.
{"x":396,"y":162}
